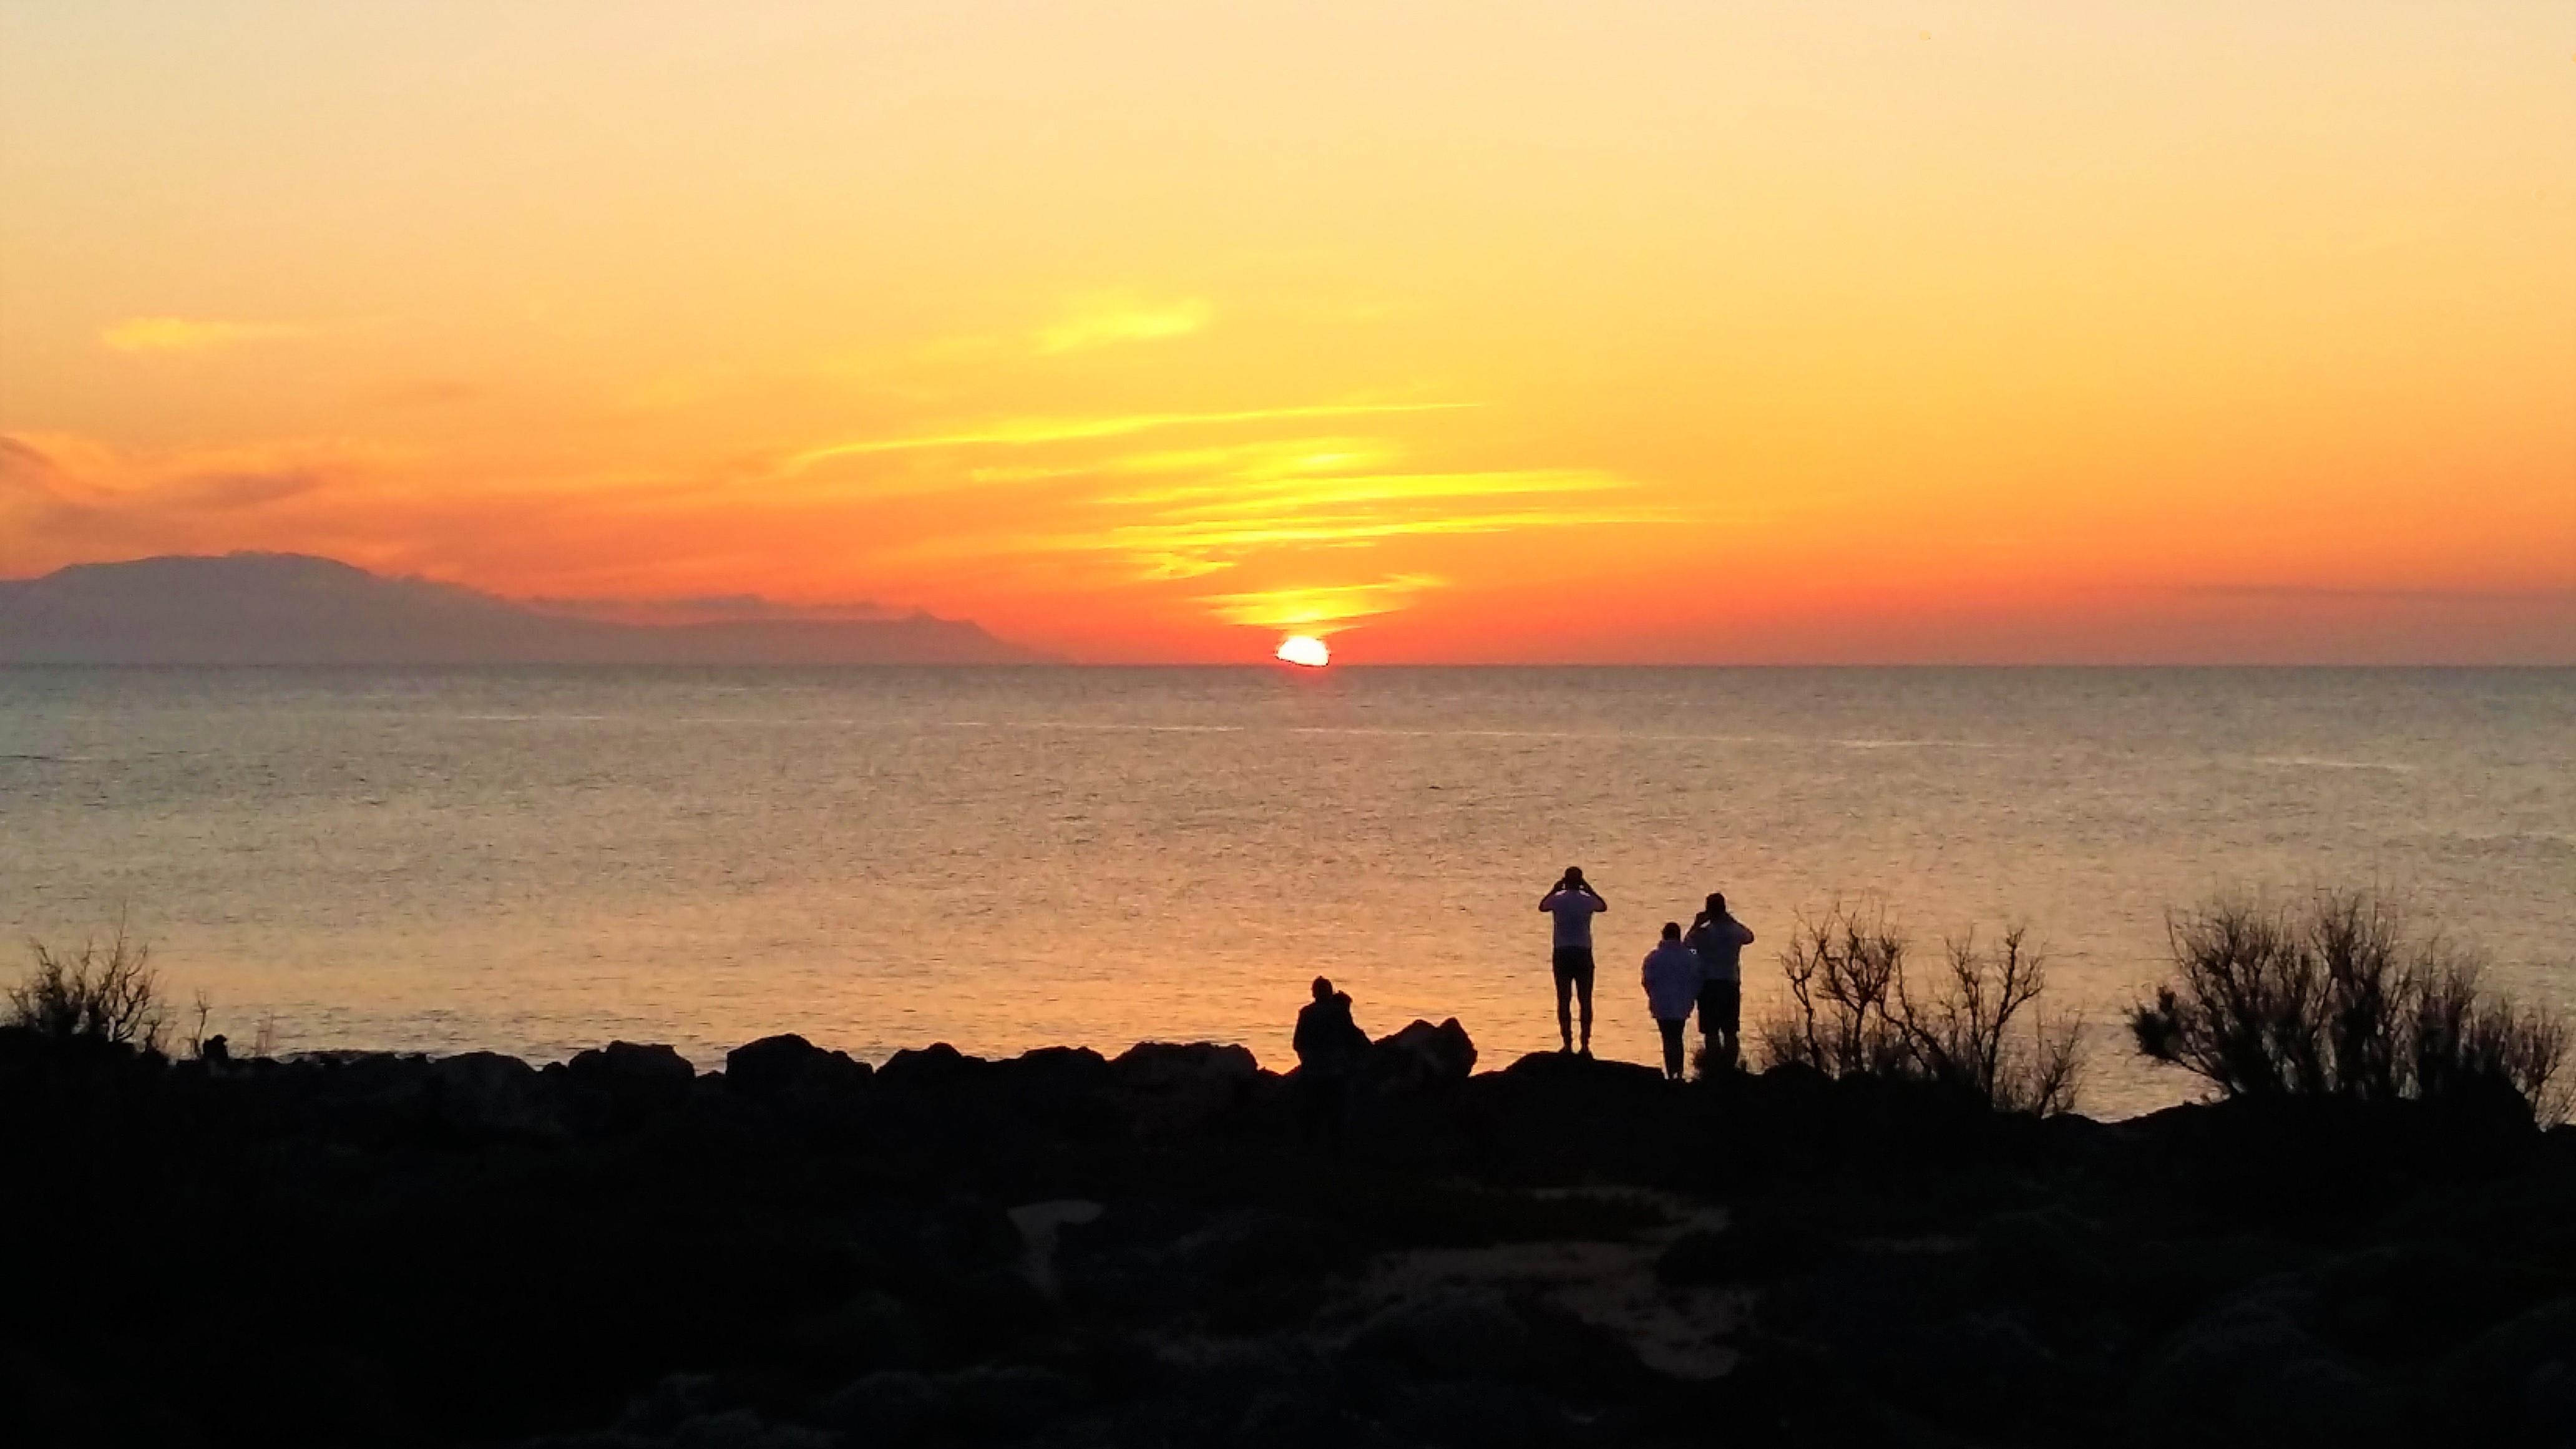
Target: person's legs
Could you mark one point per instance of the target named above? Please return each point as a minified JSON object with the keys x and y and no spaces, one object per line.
{"x":1672,"y":1031}
{"x":1730,"y":1013}
{"x":1583,"y":994}
{"x":1564,"y":969}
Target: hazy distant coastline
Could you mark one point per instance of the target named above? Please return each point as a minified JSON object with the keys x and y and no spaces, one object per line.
{"x":269,"y":608}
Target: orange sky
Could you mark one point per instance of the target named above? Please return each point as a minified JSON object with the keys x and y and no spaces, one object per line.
{"x":1474,"y":331}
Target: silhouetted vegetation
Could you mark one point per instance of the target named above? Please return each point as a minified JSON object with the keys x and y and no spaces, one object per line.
{"x":1853,"y":1012}
{"x":109,"y":995}
{"x":2334,"y":997}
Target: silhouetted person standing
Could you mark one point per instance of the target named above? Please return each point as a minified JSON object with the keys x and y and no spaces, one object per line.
{"x":1719,"y":941}
{"x":1330,"y":1047}
{"x":1574,"y":903}
{"x":1672,"y":979}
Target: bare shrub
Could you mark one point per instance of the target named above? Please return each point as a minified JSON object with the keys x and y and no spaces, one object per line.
{"x":1962,"y":1031}
{"x":1841,"y":966}
{"x":2334,"y":997}
{"x":111,"y":995}
{"x":1851,"y":1011}
{"x":200,"y":1012}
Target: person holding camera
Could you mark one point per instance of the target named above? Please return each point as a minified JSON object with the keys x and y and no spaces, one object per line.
{"x":1573,"y":902}
{"x":1719,"y":940}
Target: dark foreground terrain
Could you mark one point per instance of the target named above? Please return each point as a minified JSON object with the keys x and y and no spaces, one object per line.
{"x":1174,"y":1247}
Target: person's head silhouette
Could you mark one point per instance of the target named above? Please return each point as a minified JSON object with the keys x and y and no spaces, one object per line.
{"x":1716,"y":904}
{"x":1672,"y":930}
{"x":1323,"y":989}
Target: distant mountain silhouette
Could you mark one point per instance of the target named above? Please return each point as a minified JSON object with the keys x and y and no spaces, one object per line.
{"x":274,"y":608}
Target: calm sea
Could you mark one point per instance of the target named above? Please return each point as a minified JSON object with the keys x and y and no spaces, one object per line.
{"x":540,"y":860}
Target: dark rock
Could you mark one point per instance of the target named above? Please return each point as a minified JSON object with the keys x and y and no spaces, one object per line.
{"x":788,"y":1065}
{"x":1459,"y":1333}
{"x":1179,"y":1085}
{"x":2250,"y":1373}
{"x":2047,"y":1256}
{"x":1420,"y":1057}
{"x":675,"y":1398}
{"x":2513,"y":1382}
{"x":639,"y":1079}
{"x":742,"y":1429}
{"x":486,"y":1093}
{"x":870,"y":1331}
{"x":891,"y":1407}
{"x":1477,"y":1415}
{"x":1009,"y":1401}
{"x":930,"y":1068}
{"x":1287,"y":1419}
{"x":1568,"y":1072}
{"x":1060,"y":1069}
{"x":1762,"y":1243}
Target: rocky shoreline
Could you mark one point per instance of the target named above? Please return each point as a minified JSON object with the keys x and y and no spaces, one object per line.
{"x":1175,"y":1247}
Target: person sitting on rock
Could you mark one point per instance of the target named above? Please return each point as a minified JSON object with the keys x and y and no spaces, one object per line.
{"x":1328,"y":1042}
{"x":1331,"y":1049}
{"x":1672,"y":979}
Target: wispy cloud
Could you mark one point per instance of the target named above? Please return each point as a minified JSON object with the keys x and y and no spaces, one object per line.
{"x":1270,"y":458}
{"x":1266,"y":497}
{"x":186,"y":334}
{"x":1215,"y":540}
{"x":1028,"y":432}
{"x":1110,"y":321}
{"x":1318,"y":610}
{"x":1262,"y":506}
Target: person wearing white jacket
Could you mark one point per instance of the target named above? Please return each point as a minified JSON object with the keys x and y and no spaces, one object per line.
{"x":1672,"y":980}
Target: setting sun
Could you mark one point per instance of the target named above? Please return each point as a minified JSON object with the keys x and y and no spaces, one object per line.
{"x":1305,"y":649}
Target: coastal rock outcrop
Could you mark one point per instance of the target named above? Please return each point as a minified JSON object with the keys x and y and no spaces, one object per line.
{"x":1172,"y":1086}
{"x":1420,"y":1057}
{"x":1065,"y":1250}
{"x":787,"y":1065}
{"x":484,"y":1093}
{"x":637,"y":1080}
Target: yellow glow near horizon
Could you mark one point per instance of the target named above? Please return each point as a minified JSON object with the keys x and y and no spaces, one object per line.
{"x":2142,"y":329}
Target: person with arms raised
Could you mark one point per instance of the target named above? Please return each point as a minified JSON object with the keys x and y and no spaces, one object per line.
{"x":1573,"y":902}
{"x":1719,"y":940}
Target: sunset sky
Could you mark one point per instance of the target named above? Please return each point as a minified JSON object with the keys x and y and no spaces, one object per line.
{"x":1474,"y":331}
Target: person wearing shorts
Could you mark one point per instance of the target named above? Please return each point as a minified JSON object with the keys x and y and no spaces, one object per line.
{"x":1573,"y":902}
{"x":1719,"y":940}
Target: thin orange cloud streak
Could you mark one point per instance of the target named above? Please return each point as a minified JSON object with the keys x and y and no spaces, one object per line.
{"x":1319,"y":611}
{"x":1028,"y":432}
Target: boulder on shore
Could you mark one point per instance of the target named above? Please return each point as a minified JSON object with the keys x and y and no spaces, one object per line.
{"x":787,"y":1065}
{"x":1420,"y":1057}
{"x":638,"y":1079}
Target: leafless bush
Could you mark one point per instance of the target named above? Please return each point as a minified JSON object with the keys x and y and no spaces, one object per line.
{"x":111,"y":995}
{"x":1841,"y":967}
{"x":1963,"y":1031}
{"x":2334,"y":997}
{"x":1851,"y":1011}
{"x":200,"y":1012}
